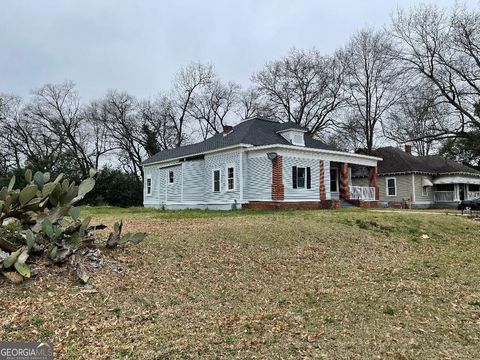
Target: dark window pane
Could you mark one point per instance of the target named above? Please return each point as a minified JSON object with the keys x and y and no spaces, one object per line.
{"x":309,"y":178}
{"x":333,"y":180}
{"x":216,"y":181}
{"x":231,"y":178}
{"x":391,"y":187}
{"x":301,"y":177}
{"x":294,"y":177}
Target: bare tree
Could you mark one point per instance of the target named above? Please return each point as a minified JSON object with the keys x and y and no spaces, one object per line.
{"x":55,"y":110}
{"x":156,"y":116}
{"x":444,"y":49}
{"x":10,"y":149}
{"x":25,"y":139}
{"x":416,"y":118}
{"x":124,"y":127}
{"x":251,"y":103}
{"x":304,"y":87}
{"x":212,"y":106}
{"x":96,"y":117}
{"x":188,"y":82}
{"x":372,"y":82}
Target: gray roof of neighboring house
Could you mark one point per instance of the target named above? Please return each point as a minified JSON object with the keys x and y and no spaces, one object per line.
{"x":256,"y":131}
{"x":398,"y":161}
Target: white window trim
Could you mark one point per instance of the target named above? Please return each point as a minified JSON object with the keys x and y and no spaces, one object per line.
{"x":147,"y":193}
{"x":226,"y":177}
{"x":219,"y":181}
{"x":386,"y":186}
{"x":168,"y":177}
{"x":424,"y":190}
{"x":304,"y":178}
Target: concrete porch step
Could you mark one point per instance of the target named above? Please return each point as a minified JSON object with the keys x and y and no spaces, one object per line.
{"x":345,"y":204}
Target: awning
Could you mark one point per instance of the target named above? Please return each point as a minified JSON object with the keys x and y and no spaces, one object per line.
{"x":426,"y":182}
{"x":457,"y":180}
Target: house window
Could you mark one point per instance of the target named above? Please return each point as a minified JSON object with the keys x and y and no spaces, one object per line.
{"x":301,"y":177}
{"x":230,"y":178}
{"x":391,"y":187}
{"x":473,"y":188}
{"x":445,"y":187}
{"x":425,"y":191}
{"x":334,"y":180}
{"x":149,"y":186}
{"x":171,"y":177}
{"x":216,"y":180}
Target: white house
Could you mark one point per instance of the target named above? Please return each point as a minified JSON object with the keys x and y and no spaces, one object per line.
{"x":259,"y":163}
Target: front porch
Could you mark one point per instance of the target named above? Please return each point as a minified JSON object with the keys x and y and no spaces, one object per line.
{"x":342,"y":188}
{"x":454,"y":193}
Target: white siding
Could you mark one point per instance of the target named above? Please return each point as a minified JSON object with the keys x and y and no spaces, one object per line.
{"x":153,"y":199}
{"x":194,"y":181}
{"x":174,"y":191}
{"x":301,"y":194}
{"x":221,"y":161}
{"x":259,"y":181}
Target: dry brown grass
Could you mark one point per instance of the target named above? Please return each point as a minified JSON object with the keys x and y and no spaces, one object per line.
{"x":310,"y":284}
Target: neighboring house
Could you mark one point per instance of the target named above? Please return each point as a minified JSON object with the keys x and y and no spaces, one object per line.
{"x":259,"y":163}
{"x":422,"y":181}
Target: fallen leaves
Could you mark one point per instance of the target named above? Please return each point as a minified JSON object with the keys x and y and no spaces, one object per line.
{"x":282,"y":285}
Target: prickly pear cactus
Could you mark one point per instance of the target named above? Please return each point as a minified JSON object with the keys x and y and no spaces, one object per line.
{"x":49,"y":220}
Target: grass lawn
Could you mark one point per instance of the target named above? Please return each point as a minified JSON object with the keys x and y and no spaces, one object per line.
{"x":264,"y":285}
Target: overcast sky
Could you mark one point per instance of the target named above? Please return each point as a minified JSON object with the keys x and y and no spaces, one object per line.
{"x":138,"y":46}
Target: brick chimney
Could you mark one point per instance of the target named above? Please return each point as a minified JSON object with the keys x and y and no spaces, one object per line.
{"x":408,"y":149}
{"x":227,"y":129}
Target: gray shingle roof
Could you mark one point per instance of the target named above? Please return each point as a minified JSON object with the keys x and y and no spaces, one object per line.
{"x":255,"y":131}
{"x":398,"y":161}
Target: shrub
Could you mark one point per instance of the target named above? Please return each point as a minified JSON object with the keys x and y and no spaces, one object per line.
{"x":47,"y":223}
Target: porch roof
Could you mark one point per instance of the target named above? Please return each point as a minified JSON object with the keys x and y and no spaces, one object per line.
{"x":456,"y":179}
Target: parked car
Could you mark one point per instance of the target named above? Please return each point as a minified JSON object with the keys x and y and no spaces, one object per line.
{"x":472,"y":204}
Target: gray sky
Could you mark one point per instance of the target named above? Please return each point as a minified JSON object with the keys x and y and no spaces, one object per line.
{"x":138,"y":46}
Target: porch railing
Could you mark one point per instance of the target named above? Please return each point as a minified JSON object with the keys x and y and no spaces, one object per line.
{"x":362,"y":193}
{"x":444,"y":196}
{"x":473,"y":195}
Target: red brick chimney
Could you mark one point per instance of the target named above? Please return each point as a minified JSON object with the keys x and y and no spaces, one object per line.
{"x":408,"y":149}
{"x":227,"y":129}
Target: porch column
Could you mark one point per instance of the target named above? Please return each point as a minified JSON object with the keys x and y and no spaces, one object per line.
{"x":374,"y":181}
{"x":344,"y":186}
{"x":278,"y":191}
{"x":323,"y":193}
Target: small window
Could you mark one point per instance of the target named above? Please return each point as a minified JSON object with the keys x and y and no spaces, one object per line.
{"x":334,"y":180}
{"x":149,"y":186}
{"x":301,"y":177}
{"x":231,"y":178}
{"x":216,"y":180}
{"x":425,"y":191}
{"x":391,"y":187}
{"x":297,"y":139}
{"x":171,"y":177}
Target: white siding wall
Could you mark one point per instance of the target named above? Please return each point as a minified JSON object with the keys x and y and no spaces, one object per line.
{"x":174,"y":191}
{"x":221,"y":161}
{"x":259,"y":181}
{"x":301,"y":194}
{"x":153,"y":199}
{"x":194,"y":180}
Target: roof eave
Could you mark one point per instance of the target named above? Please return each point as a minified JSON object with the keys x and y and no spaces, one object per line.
{"x":231,"y":147}
{"x":310,"y":149}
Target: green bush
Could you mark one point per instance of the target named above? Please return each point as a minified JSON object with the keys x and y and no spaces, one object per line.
{"x":115,"y":188}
